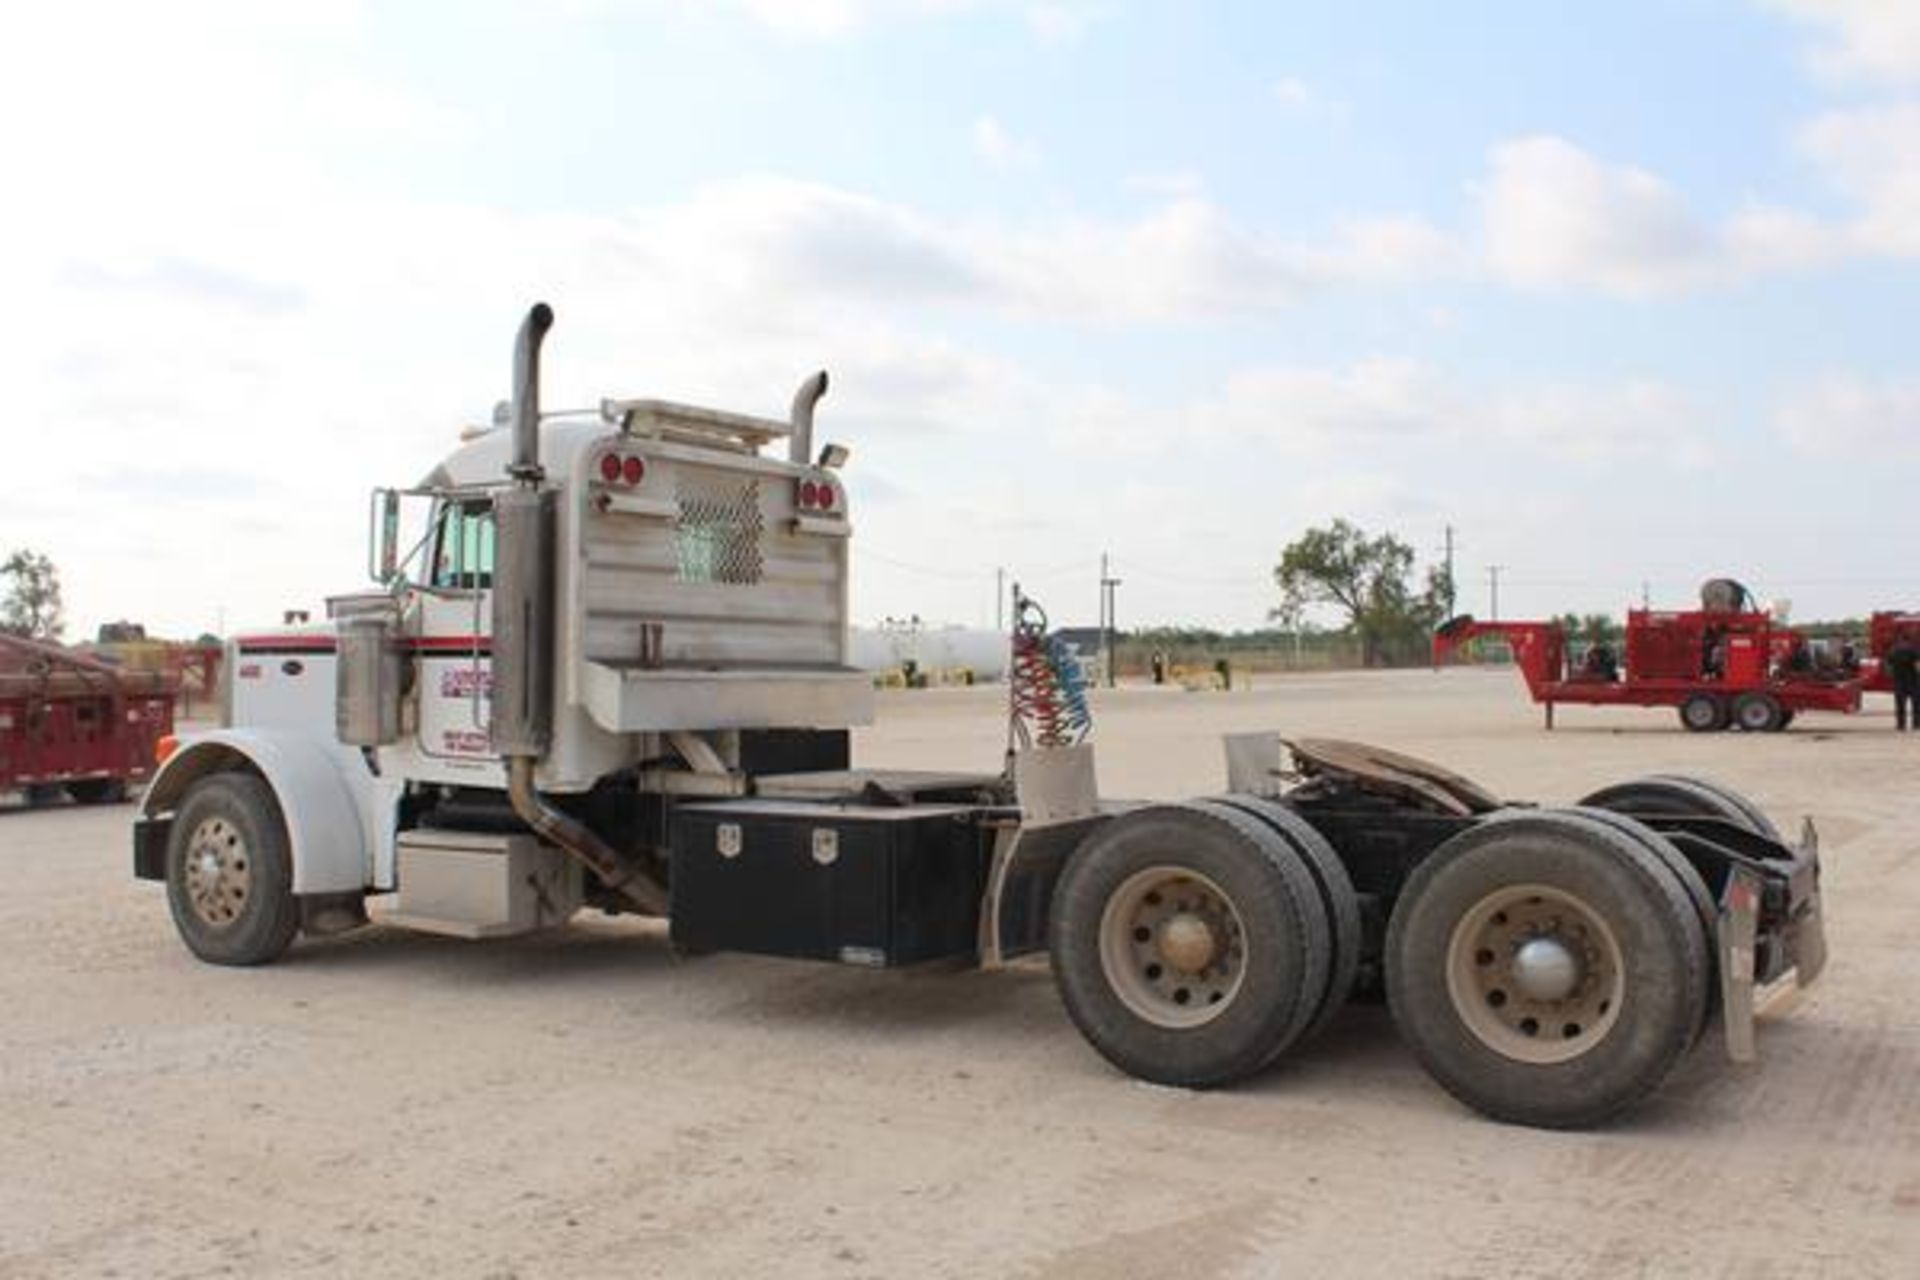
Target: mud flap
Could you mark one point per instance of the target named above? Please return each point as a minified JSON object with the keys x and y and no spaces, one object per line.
{"x":1739,"y":918}
{"x":1807,"y":935}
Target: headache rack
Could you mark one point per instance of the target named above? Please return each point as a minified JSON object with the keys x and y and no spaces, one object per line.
{"x":691,"y":424}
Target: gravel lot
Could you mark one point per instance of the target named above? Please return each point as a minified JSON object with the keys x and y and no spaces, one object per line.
{"x":584,"y":1103}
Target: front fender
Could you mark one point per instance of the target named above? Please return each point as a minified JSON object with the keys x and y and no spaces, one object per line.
{"x":325,"y":795}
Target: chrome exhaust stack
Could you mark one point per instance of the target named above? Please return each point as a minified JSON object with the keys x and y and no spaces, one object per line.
{"x":521,"y":725}
{"x":800,"y":443}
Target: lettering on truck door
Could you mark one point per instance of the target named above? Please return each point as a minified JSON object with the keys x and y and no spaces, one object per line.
{"x":453,"y":649}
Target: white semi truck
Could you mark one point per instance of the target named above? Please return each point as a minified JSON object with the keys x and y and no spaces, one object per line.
{"x":614,"y":674}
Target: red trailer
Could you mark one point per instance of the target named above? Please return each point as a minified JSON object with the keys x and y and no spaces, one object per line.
{"x":1718,"y":667}
{"x":72,"y":723}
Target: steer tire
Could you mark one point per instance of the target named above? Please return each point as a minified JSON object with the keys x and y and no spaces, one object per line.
{"x":1622,"y":934}
{"x":1685,"y":796}
{"x":1116,"y":907}
{"x":1703,"y":713}
{"x":229,"y":872}
{"x":1336,"y":893}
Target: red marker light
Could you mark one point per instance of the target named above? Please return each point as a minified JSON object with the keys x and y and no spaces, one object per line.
{"x":610,"y":468}
{"x":809,"y":494}
{"x":634,"y":470}
{"x":826,"y":497}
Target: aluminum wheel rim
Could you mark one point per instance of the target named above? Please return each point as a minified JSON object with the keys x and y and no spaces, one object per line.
{"x":1173,"y":947}
{"x":219,"y":872}
{"x":1508,"y":961}
{"x":1756,"y":715}
{"x":1700,"y":712}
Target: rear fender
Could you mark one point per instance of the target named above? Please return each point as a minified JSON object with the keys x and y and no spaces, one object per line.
{"x":325,"y":795}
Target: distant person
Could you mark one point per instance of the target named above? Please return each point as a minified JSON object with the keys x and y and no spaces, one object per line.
{"x":1601,"y":663}
{"x":1903,"y":668}
{"x":1158,"y":663}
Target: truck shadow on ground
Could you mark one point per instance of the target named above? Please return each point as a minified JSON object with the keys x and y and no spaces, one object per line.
{"x":1359,"y":1050}
{"x":578,"y":951}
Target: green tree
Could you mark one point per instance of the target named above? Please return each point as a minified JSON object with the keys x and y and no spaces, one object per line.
{"x":1367,"y":578}
{"x":30,"y":605}
{"x":1599,"y":628}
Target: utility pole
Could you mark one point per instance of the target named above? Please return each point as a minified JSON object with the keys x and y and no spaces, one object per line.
{"x":1108,"y":615}
{"x":1450,"y":586}
{"x":1493,"y":590}
{"x":1646,"y":595}
{"x":999,"y":599}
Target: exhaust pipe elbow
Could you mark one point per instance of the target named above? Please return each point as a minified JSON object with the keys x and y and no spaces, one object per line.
{"x":526,"y":393}
{"x":578,"y":840}
{"x":800,"y":444}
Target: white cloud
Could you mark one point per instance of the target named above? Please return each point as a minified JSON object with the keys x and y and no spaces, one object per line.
{"x":810,"y":18}
{"x":361,"y":106}
{"x":1054,"y":21}
{"x":1179,"y":184}
{"x":1554,"y":216}
{"x":1181,"y":259}
{"x":1399,"y":405}
{"x":1000,"y":148}
{"x":1301,"y":98}
{"x":1293,"y":91}
{"x":1311,"y":410}
{"x":1869,"y":40}
{"x":1058,"y":23}
{"x":1389,"y":248}
{"x":1636,"y":420}
{"x":1851,"y":416}
{"x":1872,"y":154}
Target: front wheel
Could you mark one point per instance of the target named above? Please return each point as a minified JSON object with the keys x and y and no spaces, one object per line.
{"x":229,"y":872}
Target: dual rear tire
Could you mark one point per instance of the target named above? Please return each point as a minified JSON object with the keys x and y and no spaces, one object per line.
{"x":1550,"y":968}
{"x":1547,"y":967}
{"x":1195,"y":944}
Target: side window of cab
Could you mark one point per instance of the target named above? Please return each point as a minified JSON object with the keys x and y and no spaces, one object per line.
{"x":463,"y":547}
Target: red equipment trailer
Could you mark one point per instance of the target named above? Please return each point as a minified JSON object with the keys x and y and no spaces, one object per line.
{"x":70,"y":722}
{"x":1719,"y":667}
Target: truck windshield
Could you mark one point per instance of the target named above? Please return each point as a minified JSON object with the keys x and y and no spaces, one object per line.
{"x":463,"y":554}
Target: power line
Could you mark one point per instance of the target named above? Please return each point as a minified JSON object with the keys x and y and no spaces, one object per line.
{"x":929,"y":571}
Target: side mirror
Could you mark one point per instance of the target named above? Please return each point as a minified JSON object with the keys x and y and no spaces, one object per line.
{"x":383,"y":536}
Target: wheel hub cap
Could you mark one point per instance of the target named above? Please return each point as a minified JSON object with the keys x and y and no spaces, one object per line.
{"x":1172,"y":947}
{"x":1544,"y":969}
{"x":1186,"y":943}
{"x":218,"y":872}
{"x":1535,"y":973}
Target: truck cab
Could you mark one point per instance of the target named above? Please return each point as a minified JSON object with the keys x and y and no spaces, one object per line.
{"x":689,"y":572}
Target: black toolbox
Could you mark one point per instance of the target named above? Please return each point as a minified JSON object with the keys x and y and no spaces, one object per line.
{"x":858,"y":884}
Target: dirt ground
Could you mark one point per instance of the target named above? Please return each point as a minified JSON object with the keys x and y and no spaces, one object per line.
{"x":583,"y":1103}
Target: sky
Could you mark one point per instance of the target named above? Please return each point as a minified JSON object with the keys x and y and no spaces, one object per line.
{"x":1624,"y":293}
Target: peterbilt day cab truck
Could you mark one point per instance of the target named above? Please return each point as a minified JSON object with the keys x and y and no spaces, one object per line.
{"x":614,"y":675}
